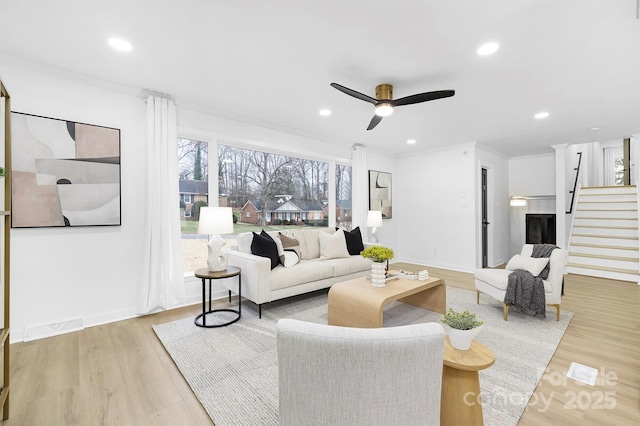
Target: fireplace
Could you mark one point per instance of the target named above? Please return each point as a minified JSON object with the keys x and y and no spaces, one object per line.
{"x":541,"y":228}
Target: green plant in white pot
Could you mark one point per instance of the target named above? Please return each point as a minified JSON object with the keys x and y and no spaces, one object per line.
{"x":462,"y":327}
{"x":379,"y":255}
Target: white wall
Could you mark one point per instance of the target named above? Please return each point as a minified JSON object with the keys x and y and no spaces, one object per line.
{"x":389,"y":234}
{"x":92,"y":273}
{"x":532,"y":175}
{"x":435,"y":199}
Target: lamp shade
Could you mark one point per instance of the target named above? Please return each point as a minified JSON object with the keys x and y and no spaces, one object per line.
{"x":215,"y":220}
{"x":374,"y":218}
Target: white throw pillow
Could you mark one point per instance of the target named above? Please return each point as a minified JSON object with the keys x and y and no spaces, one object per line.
{"x":333,"y":246}
{"x":534,"y":265}
{"x":280,"y":249}
{"x":290,"y":259}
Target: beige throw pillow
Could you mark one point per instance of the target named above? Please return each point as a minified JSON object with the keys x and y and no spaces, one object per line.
{"x":333,"y":246}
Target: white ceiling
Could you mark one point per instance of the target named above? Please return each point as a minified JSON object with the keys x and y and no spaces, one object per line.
{"x":271,"y":62}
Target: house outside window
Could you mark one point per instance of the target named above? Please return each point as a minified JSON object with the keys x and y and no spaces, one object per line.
{"x":265,"y":191}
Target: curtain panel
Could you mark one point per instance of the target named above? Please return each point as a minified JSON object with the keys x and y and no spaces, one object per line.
{"x":162,"y":284}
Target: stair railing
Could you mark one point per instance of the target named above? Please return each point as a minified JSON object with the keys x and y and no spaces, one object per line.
{"x":575,"y":183}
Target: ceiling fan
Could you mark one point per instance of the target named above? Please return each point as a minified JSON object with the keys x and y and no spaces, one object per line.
{"x":385,"y":103}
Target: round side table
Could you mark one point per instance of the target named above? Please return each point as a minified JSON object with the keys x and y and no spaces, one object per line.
{"x":460,"y":401}
{"x":205,"y":274}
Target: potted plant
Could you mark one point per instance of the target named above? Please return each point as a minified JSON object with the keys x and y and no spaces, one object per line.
{"x":379,"y":255}
{"x":462,"y":328}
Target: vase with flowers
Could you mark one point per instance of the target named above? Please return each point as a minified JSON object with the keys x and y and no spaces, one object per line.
{"x":462,"y":327}
{"x":379,"y":255}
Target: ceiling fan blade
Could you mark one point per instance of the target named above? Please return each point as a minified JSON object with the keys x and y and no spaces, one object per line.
{"x":353,"y":93}
{"x":374,"y":122}
{"x":423,"y":97}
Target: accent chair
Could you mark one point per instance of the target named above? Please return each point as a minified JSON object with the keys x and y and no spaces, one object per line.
{"x":493,"y":282}
{"x":330,"y":375}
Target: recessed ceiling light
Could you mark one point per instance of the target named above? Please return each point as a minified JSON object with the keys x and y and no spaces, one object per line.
{"x":120,"y":44}
{"x":488,"y":49}
{"x":593,"y":129}
{"x":411,"y":141}
{"x":541,"y":115}
{"x":324,"y":112}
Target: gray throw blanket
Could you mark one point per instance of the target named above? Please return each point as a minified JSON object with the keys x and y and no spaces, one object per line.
{"x":526,"y":292}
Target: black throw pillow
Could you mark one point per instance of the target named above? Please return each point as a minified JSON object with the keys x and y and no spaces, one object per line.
{"x":354,"y":241}
{"x":265,"y":247}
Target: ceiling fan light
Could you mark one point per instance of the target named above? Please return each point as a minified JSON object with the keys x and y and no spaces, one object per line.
{"x":383,"y":110}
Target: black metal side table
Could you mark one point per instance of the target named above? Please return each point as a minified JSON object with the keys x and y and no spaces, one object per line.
{"x":205,"y":274}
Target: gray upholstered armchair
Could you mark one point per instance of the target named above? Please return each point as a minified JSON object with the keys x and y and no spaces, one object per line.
{"x":331,"y":375}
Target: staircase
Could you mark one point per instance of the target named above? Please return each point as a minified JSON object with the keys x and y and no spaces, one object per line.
{"x":604,"y":237}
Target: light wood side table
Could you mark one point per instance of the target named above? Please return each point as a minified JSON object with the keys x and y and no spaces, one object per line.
{"x":460,"y":401}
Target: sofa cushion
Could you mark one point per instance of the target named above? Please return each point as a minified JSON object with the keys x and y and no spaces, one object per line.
{"x":263,"y":245}
{"x":354,"y":241}
{"x":309,"y":242}
{"x":333,"y":246}
{"x":533,"y":265}
{"x":350,"y":265}
{"x":304,"y":272}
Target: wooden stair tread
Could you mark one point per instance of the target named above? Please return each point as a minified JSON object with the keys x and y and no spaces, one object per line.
{"x":602,"y":202}
{"x":605,"y":218}
{"x":609,"y":187}
{"x":602,"y":256}
{"x":607,"y":210}
{"x":607,"y":227}
{"x":604,"y":268}
{"x":605,"y":246}
{"x":613,"y":237}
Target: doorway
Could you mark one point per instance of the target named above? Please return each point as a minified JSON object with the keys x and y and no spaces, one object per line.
{"x":485,"y":218}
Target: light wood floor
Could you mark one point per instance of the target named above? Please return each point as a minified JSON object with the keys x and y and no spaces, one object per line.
{"x":119,"y":373}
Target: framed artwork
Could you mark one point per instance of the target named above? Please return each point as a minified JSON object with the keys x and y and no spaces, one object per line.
{"x":63,"y":173}
{"x":380,"y":192}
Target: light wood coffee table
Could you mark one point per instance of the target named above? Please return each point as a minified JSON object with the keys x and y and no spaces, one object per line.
{"x":356,"y":303}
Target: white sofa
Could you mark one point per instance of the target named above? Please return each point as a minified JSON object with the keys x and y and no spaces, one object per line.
{"x":261,"y":284}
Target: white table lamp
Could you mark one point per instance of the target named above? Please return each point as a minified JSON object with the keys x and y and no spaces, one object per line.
{"x":374,"y":220}
{"x":215,"y":221}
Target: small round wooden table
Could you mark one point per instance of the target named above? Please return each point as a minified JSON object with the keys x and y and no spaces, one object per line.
{"x":206,"y":274}
{"x":460,"y":403}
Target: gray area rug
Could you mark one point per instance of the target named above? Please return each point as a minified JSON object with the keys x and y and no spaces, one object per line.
{"x":233,"y":372}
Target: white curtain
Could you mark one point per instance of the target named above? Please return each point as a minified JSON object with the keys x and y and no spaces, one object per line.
{"x":608,"y":166}
{"x":163,"y":281}
{"x":360,"y":188}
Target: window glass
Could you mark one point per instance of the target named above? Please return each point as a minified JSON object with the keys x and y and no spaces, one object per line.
{"x":193,"y":186}
{"x":265,"y":191}
{"x":270,"y":191}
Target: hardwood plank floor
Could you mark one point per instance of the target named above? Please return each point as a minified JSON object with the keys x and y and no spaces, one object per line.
{"x":119,"y":373}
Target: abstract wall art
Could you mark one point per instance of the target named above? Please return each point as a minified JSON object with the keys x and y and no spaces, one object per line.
{"x":63,"y":173}
{"x":380,"y":193}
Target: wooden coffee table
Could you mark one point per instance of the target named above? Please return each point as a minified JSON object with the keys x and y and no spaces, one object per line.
{"x":356,"y":303}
